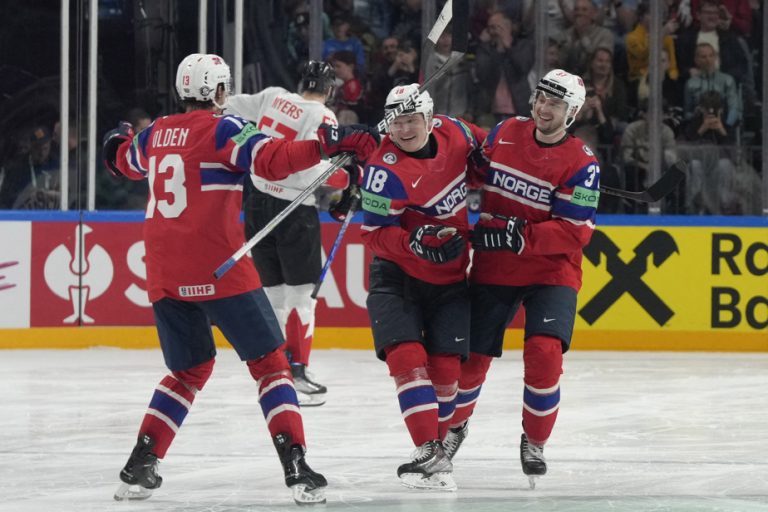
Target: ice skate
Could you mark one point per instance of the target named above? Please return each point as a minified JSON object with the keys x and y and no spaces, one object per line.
{"x":532,"y":460}
{"x":430,"y":469}
{"x":139,"y":475}
{"x":454,"y":438}
{"x":311,"y":394}
{"x":308,"y":487}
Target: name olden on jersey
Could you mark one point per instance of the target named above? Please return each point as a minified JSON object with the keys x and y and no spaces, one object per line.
{"x":170,"y":137}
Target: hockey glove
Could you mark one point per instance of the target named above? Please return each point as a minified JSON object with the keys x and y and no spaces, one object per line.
{"x":496,"y":232}
{"x":112,"y":140}
{"x":359,"y":139}
{"x":438,"y":244}
{"x":350,"y":199}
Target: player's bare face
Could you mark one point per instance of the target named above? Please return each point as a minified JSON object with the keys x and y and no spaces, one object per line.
{"x":549,"y":114}
{"x":409,"y":132}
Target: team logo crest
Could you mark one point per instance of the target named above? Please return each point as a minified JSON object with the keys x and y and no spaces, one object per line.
{"x":587,"y":150}
{"x":389,"y":158}
{"x":521,"y":118}
{"x":437,"y":123}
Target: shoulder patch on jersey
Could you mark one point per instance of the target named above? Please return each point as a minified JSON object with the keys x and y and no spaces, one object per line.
{"x":389,"y":158}
{"x":522,"y":118}
{"x":375,"y":203}
{"x":587,"y":150}
{"x":437,"y":123}
{"x":585,"y":197}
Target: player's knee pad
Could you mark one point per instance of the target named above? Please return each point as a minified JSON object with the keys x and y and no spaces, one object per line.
{"x":474,"y":369}
{"x":543,"y":359}
{"x":404,"y":357}
{"x":197,"y":376}
{"x":444,"y":368}
{"x":274,"y":362}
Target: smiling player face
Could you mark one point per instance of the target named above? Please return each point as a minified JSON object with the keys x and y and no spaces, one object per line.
{"x":409,"y":132}
{"x":549,"y":114}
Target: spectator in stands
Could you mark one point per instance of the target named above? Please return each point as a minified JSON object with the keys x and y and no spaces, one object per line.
{"x":732,"y":56}
{"x":671,"y":93}
{"x":30,"y":172}
{"x":609,"y":88}
{"x":734,"y":14}
{"x":380,"y":81}
{"x":450,"y":94}
{"x":706,"y":77}
{"x":551,"y":61}
{"x":711,"y":165}
{"x":593,"y":114}
{"x":635,"y":154}
{"x":502,"y":65}
{"x":581,"y":40}
{"x":405,"y":69}
{"x":408,"y":25}
{"x":349,"y":92}
{"x":343,"y":40}
{"x":638,"y":44}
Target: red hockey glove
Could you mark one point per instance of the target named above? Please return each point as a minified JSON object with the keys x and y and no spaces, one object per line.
{"x":352,"y":138}
{"x":496,"y":232}
{"x":112,"y":140}
{"x":438,"y":244}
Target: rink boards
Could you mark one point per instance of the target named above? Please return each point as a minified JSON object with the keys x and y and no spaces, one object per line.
{"x":650,"y":283}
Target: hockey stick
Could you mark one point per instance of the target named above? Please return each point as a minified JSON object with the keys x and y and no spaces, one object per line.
{"x":666,"y":184}
{"x":461,"y":12}
{"x":335,"y":247}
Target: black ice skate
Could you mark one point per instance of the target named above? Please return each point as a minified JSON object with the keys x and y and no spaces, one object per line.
{"x":139,"y":475}
{"x":308,"y":487}
{"x":430,"y":469}
{"x":532,"y":460}
{"x":311,"y":394}
{"x":454,"y":438}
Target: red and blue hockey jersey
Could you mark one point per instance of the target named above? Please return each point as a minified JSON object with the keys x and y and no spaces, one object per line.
{"x":195,"y":164}
{"x":401,"y":192}
{"x":555,"y":188}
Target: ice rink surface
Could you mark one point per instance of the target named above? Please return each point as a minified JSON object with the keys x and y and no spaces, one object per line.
{"x":636,"y":432}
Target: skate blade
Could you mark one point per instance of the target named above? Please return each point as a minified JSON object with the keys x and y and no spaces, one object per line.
{"x":434,"y":482}
{"x":304,"y":496}
{"x":128,"y":492}
{"x":306,"y":400}
{"x":532,"y":481}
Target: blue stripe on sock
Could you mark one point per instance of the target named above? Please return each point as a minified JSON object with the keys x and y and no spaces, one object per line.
{"x":169,"y":406}
{"x":463,"y":397}
{"x":541,"y":402}
{"x":416,"y":396}
{"x":445,"y":409}
{"x":277,"y":396}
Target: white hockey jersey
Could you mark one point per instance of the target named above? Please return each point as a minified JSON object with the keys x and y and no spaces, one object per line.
{"x":284,"y":115}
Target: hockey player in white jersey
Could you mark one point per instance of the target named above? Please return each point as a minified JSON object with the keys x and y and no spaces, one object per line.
{"x":289,"y":259}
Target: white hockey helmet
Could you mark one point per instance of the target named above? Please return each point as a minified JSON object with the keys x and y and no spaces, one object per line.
{"x":566,"y":86}
{"x":423,"y":104}
{"x":199,"y":75}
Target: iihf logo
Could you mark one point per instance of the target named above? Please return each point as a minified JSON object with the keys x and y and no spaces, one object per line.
{"x":68,"y":280}
{"x":389,"y":158}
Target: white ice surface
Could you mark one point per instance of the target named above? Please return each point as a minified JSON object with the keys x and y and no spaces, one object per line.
{"x":636,"y":432}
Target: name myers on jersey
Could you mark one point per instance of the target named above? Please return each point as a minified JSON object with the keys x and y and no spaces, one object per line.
{"x":170,"y":137}
{"x":520,"y":187}
{"x":287,"y":108}
{"x":198,"y":290}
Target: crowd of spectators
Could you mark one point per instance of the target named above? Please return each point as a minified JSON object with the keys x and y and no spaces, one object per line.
{"x":711,"y":52}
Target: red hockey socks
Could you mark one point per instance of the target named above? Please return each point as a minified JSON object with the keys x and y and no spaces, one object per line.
{"x":170,"y":404}
{"x":444,"y":370}
{"x":473,"y":372}
{"x":543,"y":358}
{"x":277,"y":395}
{"x":407,"y":363}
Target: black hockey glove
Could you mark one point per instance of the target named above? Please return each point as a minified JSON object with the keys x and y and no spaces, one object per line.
{"x":496,"y":232}
{"x":438,"y":244}
{"x":350,"y":200}
{"x":359,"y":139}
{"x":112,"y":140}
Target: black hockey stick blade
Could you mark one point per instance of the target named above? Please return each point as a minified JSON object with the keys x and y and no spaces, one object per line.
{"x":666,"y":184}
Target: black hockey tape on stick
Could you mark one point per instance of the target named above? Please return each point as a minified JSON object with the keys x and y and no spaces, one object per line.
{"x":460,"y":9}
{"x":666,"y":184}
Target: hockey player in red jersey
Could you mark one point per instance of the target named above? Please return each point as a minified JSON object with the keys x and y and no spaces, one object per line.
{"x":195,"y":163}
{"x":414,"y":191}
{"x":289,"y":258}
{"x":540,"y":195}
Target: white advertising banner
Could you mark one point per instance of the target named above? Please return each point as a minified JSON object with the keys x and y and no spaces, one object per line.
{"x":15,"y":259}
